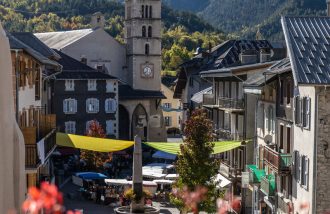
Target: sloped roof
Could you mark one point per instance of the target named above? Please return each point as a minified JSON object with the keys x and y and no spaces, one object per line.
{"x":308,"y":42}
{"x":261,"y":78}
{"x":61,"y":39}
{"x":73,"y":69}
{"x":32,"y":41}
{"x":198,"y":97}
{"x":17,"y":44}
{"x":126,"y":92}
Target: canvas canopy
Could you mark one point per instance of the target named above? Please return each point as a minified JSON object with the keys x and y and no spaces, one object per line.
{"x":164,"y":155}
{"x":110,"y":145}
{"x":92,"y":143}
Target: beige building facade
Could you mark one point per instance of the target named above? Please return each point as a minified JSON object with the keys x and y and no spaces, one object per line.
{"x":171,"y":109}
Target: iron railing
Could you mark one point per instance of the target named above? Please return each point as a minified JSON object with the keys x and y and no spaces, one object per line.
{"x":231,"y":103}
{"x":280,"y":162}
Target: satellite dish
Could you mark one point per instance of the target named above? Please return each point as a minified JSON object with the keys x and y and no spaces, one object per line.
{"x":268,"y":139}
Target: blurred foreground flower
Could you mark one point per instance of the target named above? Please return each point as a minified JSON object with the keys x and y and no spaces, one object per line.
{"x":225,"y":205}
{"x":191,"y":199}
{"x":47,"y":199}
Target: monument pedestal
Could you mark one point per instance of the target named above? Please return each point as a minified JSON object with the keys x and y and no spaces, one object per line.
{"x":137,"y":206}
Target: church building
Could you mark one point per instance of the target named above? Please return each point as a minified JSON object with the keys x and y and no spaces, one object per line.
{"x":136,"y":64}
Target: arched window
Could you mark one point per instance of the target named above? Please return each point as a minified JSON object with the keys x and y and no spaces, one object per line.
{"x":147,"y":49}
{"x":142,"y":11}
{"x":149,"y":31}
{"x":144,"y":31}
{"x":146,"y":11}
{"x":150,"y":11}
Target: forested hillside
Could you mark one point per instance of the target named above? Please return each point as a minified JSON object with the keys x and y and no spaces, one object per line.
{"x":243,"y":18}
{"x":183,"y":32}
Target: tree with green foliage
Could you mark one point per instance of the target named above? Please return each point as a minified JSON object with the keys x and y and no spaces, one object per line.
{"x":195,"y":164}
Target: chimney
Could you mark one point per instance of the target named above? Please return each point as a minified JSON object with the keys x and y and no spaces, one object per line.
{"x":98,"y":20}
{"x":328,"y":7}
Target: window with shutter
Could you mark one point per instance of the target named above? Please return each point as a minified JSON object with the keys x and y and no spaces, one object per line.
{"x":308,"y":113}
{"x":267,"y":119}
{"x":92,"y":105}
{"x":70,"y":127}
{"x":297,"y":166}
{"x":303,"y":170}
{"x":110,"y":127}
{"x":111,"y":86}
{"x":306,"y":171}
{"x":92,"y":85}
{"x":69,"y":106}
{"x":110,"y":105}
{"x":69,"y":85}
{"x":297,"y":111}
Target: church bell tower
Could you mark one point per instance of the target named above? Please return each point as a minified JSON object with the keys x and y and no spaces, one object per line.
{"x":143,"y":39}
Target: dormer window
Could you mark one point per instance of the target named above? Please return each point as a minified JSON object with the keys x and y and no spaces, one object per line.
{"x":98,"y":19}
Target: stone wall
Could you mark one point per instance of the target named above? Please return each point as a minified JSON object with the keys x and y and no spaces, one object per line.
{"x":323,"y":156}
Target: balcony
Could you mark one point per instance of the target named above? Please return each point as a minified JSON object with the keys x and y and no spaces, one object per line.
{"x":208,"y":100}
{"x":31,"y":156}
{"x":267,"y":185}
{"x":224,"y":134}
{"x":255,"y":174}
{"x":32,"y":160}
{"x":280,"y":162}
{"x":284,"y":204}
{"x":231,"y":104}
{"x":230,"y":171}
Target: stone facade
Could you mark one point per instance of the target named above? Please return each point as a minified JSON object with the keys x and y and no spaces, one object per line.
{"x":323,"y":153}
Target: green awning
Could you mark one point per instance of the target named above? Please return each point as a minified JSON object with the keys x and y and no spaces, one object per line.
{"x":257,"y":173}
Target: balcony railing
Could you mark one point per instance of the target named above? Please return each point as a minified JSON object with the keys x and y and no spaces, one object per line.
{"x":31,"y":156}
{"x":283,"y":205}
{"x":31,"y":151}
{"x":255,"y":174}
{"x":280,"y":162}
{"x":267,"y":185}
{"x":208,"y":99}
{"x":230,"y":103}
{"x":224,"y":134}
{"x":232,"y":171}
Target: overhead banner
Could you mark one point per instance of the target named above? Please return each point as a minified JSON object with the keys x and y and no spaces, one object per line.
{"x":92,"y":143}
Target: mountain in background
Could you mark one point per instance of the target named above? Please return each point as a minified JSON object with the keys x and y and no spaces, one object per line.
{"x":244,"y":17}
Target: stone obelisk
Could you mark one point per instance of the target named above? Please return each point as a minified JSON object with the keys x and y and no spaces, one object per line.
{"x":137,"y":205}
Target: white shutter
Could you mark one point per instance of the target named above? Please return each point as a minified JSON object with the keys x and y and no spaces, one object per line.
{"x":107,"y":105}
{"x":308,"y":112}
{"x":75,"y":106}
{"x":267,"y":119}
{"x":97,"y":105}
{"x":114,"y":105}
{"x":65,"y":109}
{"x":306,"y":171}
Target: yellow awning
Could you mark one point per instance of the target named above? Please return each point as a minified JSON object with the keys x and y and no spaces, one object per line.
{"x":110,"y":145}
{"x":92,"y":143}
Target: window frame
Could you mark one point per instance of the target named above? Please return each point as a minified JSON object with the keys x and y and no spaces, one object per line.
{"x":92,"y":85}
{"x":70,"y":127}
{"x":66,"y":106}
{"x":107,"y":103}
{"x":96,"y":105}
{"x":69,"y":85}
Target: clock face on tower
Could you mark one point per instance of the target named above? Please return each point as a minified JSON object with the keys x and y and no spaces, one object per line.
{"x":147,"y":71}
